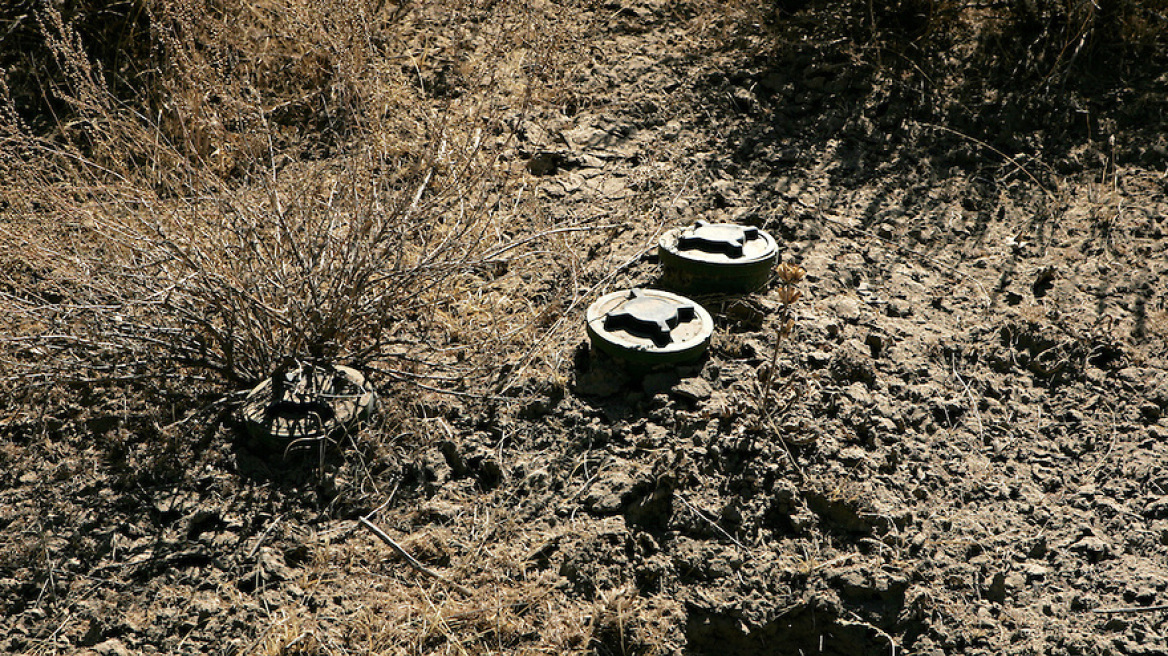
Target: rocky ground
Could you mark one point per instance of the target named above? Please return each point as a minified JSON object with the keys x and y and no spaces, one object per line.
{"x":959,"y":452}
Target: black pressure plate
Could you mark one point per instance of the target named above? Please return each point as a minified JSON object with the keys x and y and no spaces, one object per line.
{"x":306,"y":402}
{"x":711,"y":257}
{"x":649,"y":326}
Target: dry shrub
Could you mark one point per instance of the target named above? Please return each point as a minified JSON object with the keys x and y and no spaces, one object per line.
{"x":292,"y":179}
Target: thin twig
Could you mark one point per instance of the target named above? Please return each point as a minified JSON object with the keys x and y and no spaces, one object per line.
{"x":546,"y":233}
{"x":1110,"y":446}
{"x":410,"y":560}
{"x":518,"y":606}
{"x":505,"y":384}
{"x":714,"y":524}
{"x":786,"y":447}
{"x":893,"y":645}
{"x":264,"y":536}
{"x":983,"y":144}
{"x":972,"y":399}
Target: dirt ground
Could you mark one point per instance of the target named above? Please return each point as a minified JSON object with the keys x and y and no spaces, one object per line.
{"x":960,"y":453}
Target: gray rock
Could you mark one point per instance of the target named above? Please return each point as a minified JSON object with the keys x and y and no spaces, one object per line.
{"x":111,"y":647}
{"x":693,"y":390}
{"x":846,"y":308}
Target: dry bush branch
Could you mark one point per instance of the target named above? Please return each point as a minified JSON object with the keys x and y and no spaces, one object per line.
{"x":197,"y":231}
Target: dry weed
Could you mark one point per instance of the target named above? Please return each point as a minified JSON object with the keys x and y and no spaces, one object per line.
{"x":192,"y":222}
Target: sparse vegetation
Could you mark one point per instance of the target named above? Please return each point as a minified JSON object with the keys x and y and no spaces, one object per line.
{"x":279,"y":182}
{"x":936,"y":430}
{"x":197,"y":191}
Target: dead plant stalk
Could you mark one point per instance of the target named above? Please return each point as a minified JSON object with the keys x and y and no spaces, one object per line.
{"x":790,"y":275}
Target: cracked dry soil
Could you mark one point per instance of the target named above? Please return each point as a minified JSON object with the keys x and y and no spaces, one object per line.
{"x":970,"y":417}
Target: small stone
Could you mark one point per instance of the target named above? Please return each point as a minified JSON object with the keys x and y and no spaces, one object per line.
{"x":273,"y":565}
{"x":1145,"y":596}
{"x":848,"y":364}
{"x":1084,"y":601}
{"x":614,"y":188}
{"x":1034,"y":571}
{"x":854,"y":584}
{"x":852,"y":455}
{"x":654,"y":437}
{"x":546,"y":163}
{"x":1094,"y":549}
{"x":724,"y":188}
{"x":1038,"y":550}
{"x":111,"y":647}
{"x":898,"y":308}
{"x":589,"y":162}
{"x":817,"y":359}
{"x":846,"y":308}
{"x":693,"y":390}
{"x":584,"y":137}
{"x":554,"y":190}
{"x":859,"y":394}
{"x":609,"y":493}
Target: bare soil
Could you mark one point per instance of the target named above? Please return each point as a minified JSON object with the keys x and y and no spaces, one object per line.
{"x":967,"y":419}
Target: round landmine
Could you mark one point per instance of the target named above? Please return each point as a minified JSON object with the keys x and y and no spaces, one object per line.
{"x":297,"y":406}
{"x":649,"y":326}
{"x":708,"y":257}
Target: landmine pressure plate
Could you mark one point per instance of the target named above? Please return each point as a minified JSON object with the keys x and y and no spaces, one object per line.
{"x":709,"y":257}
{"x":300,"y":405}
{"x":648,"y":326}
